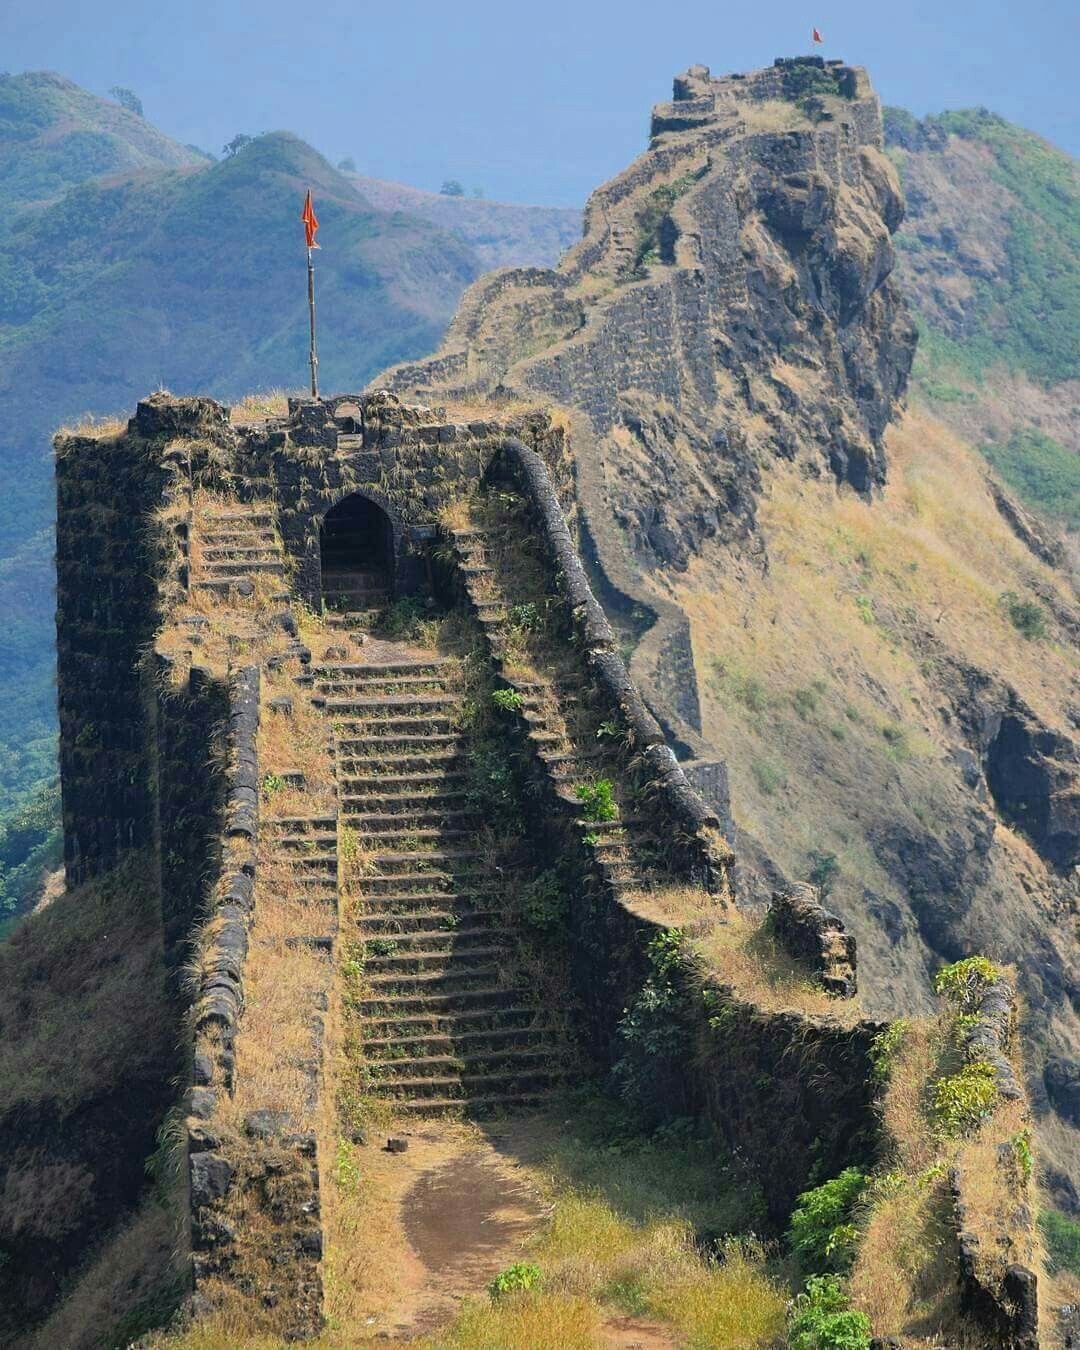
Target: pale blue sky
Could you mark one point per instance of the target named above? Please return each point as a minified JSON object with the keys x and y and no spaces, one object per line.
{"x":533,"y":102}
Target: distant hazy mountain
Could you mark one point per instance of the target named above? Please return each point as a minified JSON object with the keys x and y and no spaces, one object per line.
{"x":54,"y":135}
{"x":500,"y":233}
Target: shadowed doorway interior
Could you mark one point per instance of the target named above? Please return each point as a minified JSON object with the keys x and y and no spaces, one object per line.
{"x":357,"y":544}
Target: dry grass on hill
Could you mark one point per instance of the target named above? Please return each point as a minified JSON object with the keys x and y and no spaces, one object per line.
{"x":130,"y":1283}
{"x":820,"y":678}
{"x":904,"y":1276}
{"x":100,"y":427}
{"x":82,"y":993}
{"x":259,"y":406}
{"x":738,"y":951}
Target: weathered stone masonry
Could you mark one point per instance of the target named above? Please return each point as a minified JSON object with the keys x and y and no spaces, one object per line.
{"x":153,"y":761}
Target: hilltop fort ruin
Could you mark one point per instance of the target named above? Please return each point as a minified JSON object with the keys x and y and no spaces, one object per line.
{"x":350,"y":677}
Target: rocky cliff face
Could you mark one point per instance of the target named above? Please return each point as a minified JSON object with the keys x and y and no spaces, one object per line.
{"x":730,"y":305}
{"x":817,"y":586}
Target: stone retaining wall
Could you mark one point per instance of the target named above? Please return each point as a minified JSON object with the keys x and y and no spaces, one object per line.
{"x":695,"y":831}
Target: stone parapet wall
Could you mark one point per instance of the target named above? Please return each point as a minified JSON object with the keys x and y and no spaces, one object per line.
{"x":998,"y":1285}
{"x":815,"y":937}
{"x":695,"y":830}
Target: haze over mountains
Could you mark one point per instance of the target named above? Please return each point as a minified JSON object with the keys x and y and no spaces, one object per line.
{"x":128,"y":261}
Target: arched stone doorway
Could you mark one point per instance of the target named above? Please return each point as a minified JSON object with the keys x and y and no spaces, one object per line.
{"x":356,"y":542}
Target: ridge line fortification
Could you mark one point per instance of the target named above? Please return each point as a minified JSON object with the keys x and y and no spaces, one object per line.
{"x":729,"y":304}
{"x":236,"y":522}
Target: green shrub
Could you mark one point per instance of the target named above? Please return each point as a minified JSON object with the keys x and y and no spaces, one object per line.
{"x":1027,"y":616}
{"x":964,"y":982}
{"x":961,"y":1100}
{"x":821,"y":1229}
{"x":490,"y":788}
{"x":597,"y":799}
{"x":507,"y":700}
{"x":805,"y":702}
{"x":518,"y":1278}
{"x":822,"y":1319}
{"x":1025,"y":1160}
{"x":886,"y":1045}
{"x":400,"y":621}
{"x":1062,"y":1237}
{"x":824,"y":869}
{"x":543,"y":901}
{"x":767,"y":776}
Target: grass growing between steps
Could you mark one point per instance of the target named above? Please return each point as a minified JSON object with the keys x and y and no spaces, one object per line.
{"x":741,"y":952}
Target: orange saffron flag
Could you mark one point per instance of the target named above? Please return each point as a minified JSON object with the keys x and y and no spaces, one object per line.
{"x":311,"y":223}
{"x":814,"y":32}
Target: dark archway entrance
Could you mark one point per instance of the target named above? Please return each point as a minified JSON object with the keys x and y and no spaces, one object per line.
{"x":357,"y":546}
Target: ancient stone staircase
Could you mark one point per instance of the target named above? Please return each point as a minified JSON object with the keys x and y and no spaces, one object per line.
{"x":447,"y":1021}
{"x":551,"y":705}
{"x":234,"y":546}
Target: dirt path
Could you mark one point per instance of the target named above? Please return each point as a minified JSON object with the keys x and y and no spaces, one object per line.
{"x":446,"y":1216}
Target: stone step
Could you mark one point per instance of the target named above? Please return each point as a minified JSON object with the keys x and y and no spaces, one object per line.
{"x":430,"y":998}
{"x":502,"y":1016}
{"x":340,"y":576}
{"x":307,"y":842}
{"x":328,"y":822}
{"x":483,"y":1105}
{"x":389,"y":669}
{"x":433,"y":938}
{"x":448,"y":964}
{"x":412,"y":837}
{"x":379,"y":882}
{"x":446,"y":1043}
{"x":376,"y":768}
{"x":378,"y":783}
{"x":422,"y":919}
{"x":253,"y":517}
{"x":435,"y":801}
{"x":353,"y":601}
{"x":236,"y":534}
{"x":411,"y":818}
{"x":240,"y":569}
{"x":415,"y":723}
{"x":354,"y":619}
{"x":439,"y":743}
{"x":240,"y":552}
{"x":392,"y":703}
{"x":391,"y":684}
{"x":463,"y":973}
{"x":492,"y":1062}
{"x":449,"y":1088}
{"x":402,"y":905}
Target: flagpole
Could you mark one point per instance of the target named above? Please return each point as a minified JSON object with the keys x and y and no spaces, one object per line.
{"x":311,"y":314}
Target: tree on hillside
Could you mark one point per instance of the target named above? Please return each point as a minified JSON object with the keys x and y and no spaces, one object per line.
{"x":127,"y":98}
{"x":237,"y":144}
{"x":478,"y":192}
{"x":347,"y":165}
{"x":452,"y":188}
